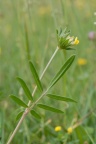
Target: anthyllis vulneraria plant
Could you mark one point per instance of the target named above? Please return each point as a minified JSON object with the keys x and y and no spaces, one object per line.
{"x":66,"y":42}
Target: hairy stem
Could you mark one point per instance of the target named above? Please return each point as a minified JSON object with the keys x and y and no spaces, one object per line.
{"x":27,"y":110}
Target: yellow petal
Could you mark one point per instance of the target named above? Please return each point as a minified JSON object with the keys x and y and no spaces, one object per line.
{"x":76,"y":41}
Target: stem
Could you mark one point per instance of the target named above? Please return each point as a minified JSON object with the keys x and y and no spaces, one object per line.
{"x":17,"y":127}
{"x":49,"y":62}
{"x":27,"y":110}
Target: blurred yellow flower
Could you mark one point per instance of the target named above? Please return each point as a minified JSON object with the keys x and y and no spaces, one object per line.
{"x":79,"y":4}
{"x":82,"y":61}
{"x":58,"y":128}
{"x":44,"y":10}
{"x":76,"y":41}
{"x":70,"y":130}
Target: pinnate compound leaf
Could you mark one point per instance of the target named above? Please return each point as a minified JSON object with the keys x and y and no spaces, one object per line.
{"x":18,"y":101}
{"x":62,"y":70}
{"x":19,"y":115}
{"x":60,"y":98}
{"x":35,"y":114}
{"x":36,"y":77}
{"x":25,"y":88}
{"x":46,"y":107}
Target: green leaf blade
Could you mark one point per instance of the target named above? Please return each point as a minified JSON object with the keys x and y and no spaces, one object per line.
{"x":36,"y":77}
{"x":60,"y":98}
{"x":25,"y":88}
{"x":62,"y":70}
{"x":19,"y":115}
{"x":18,"y":101}
{"x":35,"y":114}
{"x":46,"y":107}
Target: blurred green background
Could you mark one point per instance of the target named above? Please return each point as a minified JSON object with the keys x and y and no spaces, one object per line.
{"x":28,"y":31}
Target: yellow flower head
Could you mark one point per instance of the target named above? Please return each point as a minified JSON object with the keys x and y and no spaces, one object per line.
{"x":58,"y":128}
{"x":65,"y":41}
{"x":82,"y":61}
{"x":70,"y":130}
{"x":76,"y":41}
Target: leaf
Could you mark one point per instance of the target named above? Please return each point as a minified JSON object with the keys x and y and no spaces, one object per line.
{"x":36,"y":77}
{"x":19,"y":115}
{"x":25,"y":88}
{"x":60,"y":98}
{"x":46,"y":107}
{"x":62,"y":70}
{"x":35,"y":114}
{"x":18,"y":101}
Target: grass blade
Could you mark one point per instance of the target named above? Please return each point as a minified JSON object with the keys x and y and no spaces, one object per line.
{"x":36,"y":77}
{"x":27,"y":40}
{"x":46,"y":107}
{"x":60,"y":98}
{"x":62,"y":70}
{"x":18,"y":101}
{"x":25,"y":88}
{"x":35,"y":114}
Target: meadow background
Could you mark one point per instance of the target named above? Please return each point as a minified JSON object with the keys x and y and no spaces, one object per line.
{"x":28,"y":31}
